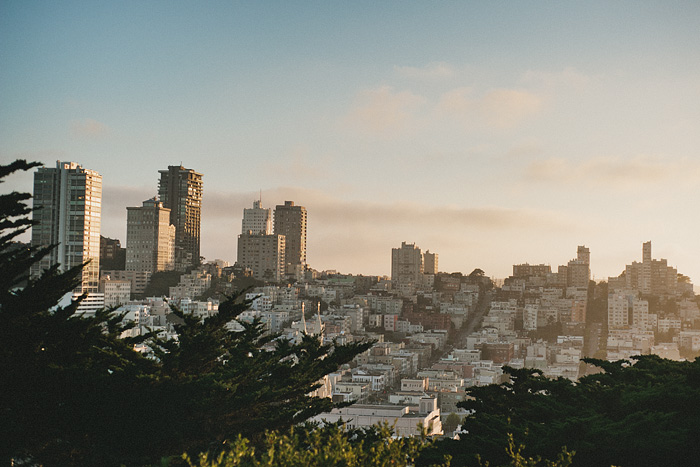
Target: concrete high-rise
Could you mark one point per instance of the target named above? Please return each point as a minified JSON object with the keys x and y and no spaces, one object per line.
{"x":257,"y":219}
{"x":67,"y":211}
{"x":150,"y":238}
{"x":263,"y":254}
{"x":578,"y":271}
{"x":180,"y":190}
{"x":430,"y":263}
{"x":406,"y":264}
{"x":290,"y":221}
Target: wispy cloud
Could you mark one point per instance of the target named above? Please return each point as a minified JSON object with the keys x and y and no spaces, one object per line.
{"x":497,"y":108}
{"x":568,"y":77}
{"x":613,"y":171}
{"x":89,"y":128}
{"x":384,"y":111}
{"x":356,"y":233}
{"x":299,"y":164}
{"x":433,"y":71}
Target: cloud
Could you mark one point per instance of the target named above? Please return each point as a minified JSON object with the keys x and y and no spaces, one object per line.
{"x":433,"y":71}
{"x":568,"y":77}
{"x":505,"y":108}
{"x":384,"y":111}
{"x":89,"y":128}
{"x":527,"y":148}
{"x":298,"y":165}
{"x":356,"y":236}
{"x":613,"y":171}
{"x":497,"y":108}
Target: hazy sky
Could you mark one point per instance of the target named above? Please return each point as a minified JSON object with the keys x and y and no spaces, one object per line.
{"x":489,"y":132}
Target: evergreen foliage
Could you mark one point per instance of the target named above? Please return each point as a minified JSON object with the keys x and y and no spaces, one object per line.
{"x":641,"y":414}
{"x":320,"y":446}
{"x":72,"y":392}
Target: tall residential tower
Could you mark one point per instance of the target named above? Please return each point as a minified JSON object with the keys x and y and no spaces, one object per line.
{"x":180,"y":190}
{"x":290,"y":221}
{"x":67,"y":212}
{"x":150,"y":238}
{"x":257,"y":220}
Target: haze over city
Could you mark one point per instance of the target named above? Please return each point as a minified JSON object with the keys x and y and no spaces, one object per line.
{"x":490,"y":133}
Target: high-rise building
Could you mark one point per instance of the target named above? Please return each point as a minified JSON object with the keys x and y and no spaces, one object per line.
{"x":263,"y":254}
{"x":578,"y":271}
{"x":651,"y":276}
{"x":112,"y":255}
{"x":67,"y":211}
{"x":180,"y":190}
{"x":430,"y":263}
{"x":290,"y":221}
{"x":150,"y":238}
{"x":406,"y":264}
{"x":257,"y":219}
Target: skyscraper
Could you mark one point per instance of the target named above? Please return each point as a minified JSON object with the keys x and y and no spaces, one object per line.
{"x":578,"y":271}
{"x":257,"y":219}
{"x":290,"y":221}
{"x":406,"y":263}
{"x":180,"y":190}
{"x":67,"y":211}
{"x":263,"y":255}
{"x":150,"y":238}
{"x":430,"y":263}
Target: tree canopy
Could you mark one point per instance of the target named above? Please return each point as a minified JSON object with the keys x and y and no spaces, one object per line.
{"x":73,"y":392}
{"x":641,"y":414}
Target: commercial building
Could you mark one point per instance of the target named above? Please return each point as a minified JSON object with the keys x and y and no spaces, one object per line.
{"x":180,"y":190}
{"x":67,"y":206}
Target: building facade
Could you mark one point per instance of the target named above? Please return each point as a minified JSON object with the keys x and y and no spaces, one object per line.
{"x":430,"y":263}
{"x":67,"y":207}
{"x":406,"y":264}
{"x":263,"y":254}
{"x":150,"y":238}
{"x":180,"y":190}
{"x":257,"y":219}
{"x":290,"y":221}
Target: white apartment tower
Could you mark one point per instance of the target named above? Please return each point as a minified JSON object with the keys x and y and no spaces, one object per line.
{"x":257,"y":219}
{"x":618,"y":310}
{"x":67,"y":206}
{"x":150,"y":238}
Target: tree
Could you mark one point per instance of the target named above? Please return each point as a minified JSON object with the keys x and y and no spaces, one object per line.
{"x":644,"y":413}
{"x":333,"y":445}
{"x":320,"y":446}
{"x":72,"y":392}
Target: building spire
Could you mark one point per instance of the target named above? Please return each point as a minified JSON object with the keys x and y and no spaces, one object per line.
{"x":303,"y":318}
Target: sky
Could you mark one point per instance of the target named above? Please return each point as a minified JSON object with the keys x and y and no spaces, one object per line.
{"x":491,"y":133}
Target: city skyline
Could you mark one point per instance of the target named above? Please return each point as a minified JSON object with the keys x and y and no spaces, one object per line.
{"x":491,"y":134}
